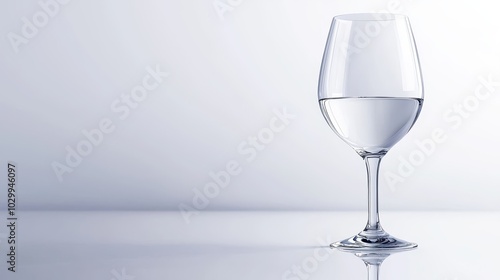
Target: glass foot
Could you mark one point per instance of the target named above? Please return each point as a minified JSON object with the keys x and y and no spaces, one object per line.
{"x":373,"y":240}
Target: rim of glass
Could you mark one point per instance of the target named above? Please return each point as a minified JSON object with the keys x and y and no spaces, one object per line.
{"x":370,"y":17}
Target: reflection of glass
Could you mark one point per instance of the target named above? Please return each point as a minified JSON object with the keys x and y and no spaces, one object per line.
{"x":373,"y":260}
{"x":371,"y":93}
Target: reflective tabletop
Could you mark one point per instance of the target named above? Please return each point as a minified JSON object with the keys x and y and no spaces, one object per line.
{"x":244,"y":245}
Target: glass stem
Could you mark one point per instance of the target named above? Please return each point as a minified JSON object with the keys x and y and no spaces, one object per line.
{"x":372,"y":167}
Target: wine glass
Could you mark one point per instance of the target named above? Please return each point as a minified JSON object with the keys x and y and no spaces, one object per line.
{"x":371,"y":93}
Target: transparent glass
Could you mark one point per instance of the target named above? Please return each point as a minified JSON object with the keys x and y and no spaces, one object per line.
{"x":371,"y":93}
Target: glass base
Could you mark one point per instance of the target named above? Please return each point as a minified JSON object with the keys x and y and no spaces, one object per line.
{"x":373,"y":240}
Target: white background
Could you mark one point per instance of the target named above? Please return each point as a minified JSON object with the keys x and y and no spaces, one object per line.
{"x":228,"y":72}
